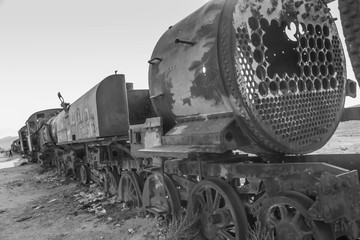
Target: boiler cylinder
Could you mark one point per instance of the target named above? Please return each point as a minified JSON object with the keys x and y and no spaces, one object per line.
{"x":277,"y":65}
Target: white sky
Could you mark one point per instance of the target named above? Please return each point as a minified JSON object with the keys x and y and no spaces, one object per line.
{"x":47,"y":46}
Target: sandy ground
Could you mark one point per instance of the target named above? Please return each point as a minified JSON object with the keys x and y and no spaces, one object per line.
{"x":346,"y":139}
{"x":38,"y":204}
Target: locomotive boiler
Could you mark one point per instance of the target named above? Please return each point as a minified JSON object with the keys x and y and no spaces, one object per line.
{"x":276,"y":66}
{"x":238,"y":92}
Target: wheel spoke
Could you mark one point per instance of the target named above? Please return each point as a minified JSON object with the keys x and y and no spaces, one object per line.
{"x":128,"y":183}
{"x":225,"y":234}
{"x":221,"y":211}
{"x":296,"y":218}
{"x":273,"y":220}
{"x":132,"y":192}
{"x":284,"y":212}
{"x":209,"y":200}
{"x":286,"y":217}
{"x":129,"y":189}
{"x":216,"y":200}
{"x":199,"y":198}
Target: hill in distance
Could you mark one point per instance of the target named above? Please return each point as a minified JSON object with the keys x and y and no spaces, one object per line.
{"x":6,"y":142}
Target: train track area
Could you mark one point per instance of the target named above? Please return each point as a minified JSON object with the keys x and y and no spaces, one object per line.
{"x":39,"y":204}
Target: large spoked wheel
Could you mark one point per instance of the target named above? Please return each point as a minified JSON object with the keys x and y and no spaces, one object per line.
{"x":221,"y":213}
{"x":160,"y":195}
{"x":285,"y":218}
{"x":112,"y":180}
{"x":84,"y":174}
{"x":129,"y":189}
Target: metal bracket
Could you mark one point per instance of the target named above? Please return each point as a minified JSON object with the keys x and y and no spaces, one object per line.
{"x":155,"y":61}
{"x":185,"y":42}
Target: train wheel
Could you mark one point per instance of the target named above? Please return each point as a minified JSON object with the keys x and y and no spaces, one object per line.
{"x":285,"y":218}
{"x":84,"y":174}
{"x":129,"y":189}
{"x":221,"y":213}
{"x":160,"y":195}
{"x":111,"y":182}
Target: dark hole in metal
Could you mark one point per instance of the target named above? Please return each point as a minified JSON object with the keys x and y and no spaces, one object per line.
{"x":323,"y":70}
{"x":263,"y":89}
{"x":253,"y":23}
{"x":325,"y":83}
{"x":305,"y":56}
{"x":313,"y":56}
{"x":326,"y":31}
{"x":260,"y":72}
{"x":138,"y":138}
{"x":258,"y":56}
{"x":321,"y":56}
{"x":310,"y":29}
{"x":307,"y":71}
{"x":329,"y":57}
{"x":331,"y":69}
{"x":303,"y":42}
{"x":309,"y":85}
{"x":315,"y":70}
{"x":255,"y":39}
{"x":273,"y":88}
{"x":283,"y":87}
{"x":333,"y":83}
{"x":317,"y":84}
{"x":311,"y":42}
{"x":318,"y":30}
{"x":292,"y":86}
{"x":282,"y":54}
{"x":327,"y":44}
{"x":264,"y":24}
{"x":319,"y":43}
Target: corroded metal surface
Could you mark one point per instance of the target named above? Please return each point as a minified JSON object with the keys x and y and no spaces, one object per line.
{"x":22,"y":138}
{"x":336,"y":190}
{"x":34,"y":123}
{"x":101,"y":112}
{"x":140,"y":107}
{"x":350,"y":20}
{"x":277,"y":65}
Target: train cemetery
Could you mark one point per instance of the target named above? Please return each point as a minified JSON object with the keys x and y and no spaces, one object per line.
{"x":38,"y":203}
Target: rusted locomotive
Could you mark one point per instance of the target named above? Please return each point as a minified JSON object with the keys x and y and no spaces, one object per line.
{"x":239,"y":91}
{"x":29,"y":139}
{"x":15,"y":146}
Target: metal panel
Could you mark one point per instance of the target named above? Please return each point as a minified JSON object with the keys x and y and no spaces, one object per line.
{"x":22,"y":138}
{"x":140,"y":107}
{"x":101,"y":112}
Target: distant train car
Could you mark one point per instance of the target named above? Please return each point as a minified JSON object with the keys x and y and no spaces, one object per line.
{"x":89,"y":137}
{"x":33,"y":125}
{"x":24,"y":147}
{"x":15,"y":146}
